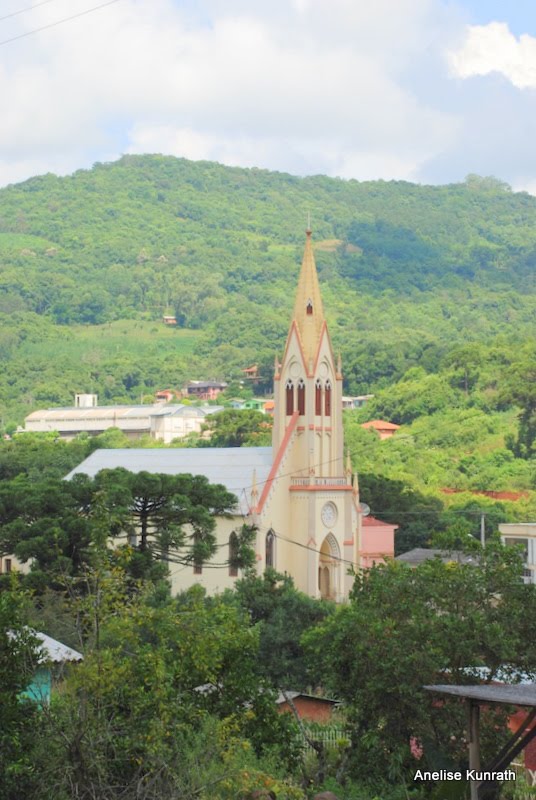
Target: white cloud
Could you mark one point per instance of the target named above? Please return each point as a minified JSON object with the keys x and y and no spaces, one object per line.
{"x":341,"y":87}
{"x":493,"y":48}
{"x":308,"y":86}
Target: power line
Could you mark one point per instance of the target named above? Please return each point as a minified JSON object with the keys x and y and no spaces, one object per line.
{"x":28,"y":8}
{"x":58,"y":22}
{"x":314,"y":466}
{"x":308,"y":547}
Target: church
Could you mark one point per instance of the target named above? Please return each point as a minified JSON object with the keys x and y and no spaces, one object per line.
{"x":300,"y":493}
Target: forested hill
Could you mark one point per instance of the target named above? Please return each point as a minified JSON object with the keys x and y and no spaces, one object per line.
{"x":408,"y":273}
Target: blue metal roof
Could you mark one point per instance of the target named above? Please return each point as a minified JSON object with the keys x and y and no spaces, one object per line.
{"x":231,"y":466}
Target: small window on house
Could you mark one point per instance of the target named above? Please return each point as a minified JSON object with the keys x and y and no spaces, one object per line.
{"x":327,"y":400}
{"x":318,"y":398}
{"x":7,"y":564}
{"x":290,"y":398}
{"x":301,"y":397}
{"x":309,"y":307}
{"x":270,"y":549}
{"x":233,"y":555}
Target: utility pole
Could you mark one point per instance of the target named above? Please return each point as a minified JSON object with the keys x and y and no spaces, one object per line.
{"x":482,"y":529}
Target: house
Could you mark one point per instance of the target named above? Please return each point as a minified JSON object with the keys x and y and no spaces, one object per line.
{"x":51,"y":659}
{"x":377,"y":541}
{"x":255,"y":404}
{"x":176,"y":422}
{"x":524,"y":535}
{"x":169,"y":319}
{"x":300,"y":492}
{"x":204,"y":390}
{"x":237,"y":402}
{"x":251,"y":373}
{"x":355,"y":401}
{"x":384,"y":429}
{"x":309,"y":708}
{"x":165,"y":396}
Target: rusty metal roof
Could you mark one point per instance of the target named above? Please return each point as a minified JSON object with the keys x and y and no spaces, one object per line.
{"x":519,"y":695}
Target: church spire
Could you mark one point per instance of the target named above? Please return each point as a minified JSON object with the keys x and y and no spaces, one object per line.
{"x":308,"y":311}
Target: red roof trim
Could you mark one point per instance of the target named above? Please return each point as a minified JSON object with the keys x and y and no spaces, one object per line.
{"x":277,"y":461}
{"x":294,"y":326}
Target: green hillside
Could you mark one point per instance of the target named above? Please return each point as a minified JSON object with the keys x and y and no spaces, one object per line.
{"x":408,"y":273}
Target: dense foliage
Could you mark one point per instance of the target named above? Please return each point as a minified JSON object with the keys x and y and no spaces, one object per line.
{"x":175,"y":697}
{"x":429,"y":293}
{"x":89,"y":263}
{"x":407,"y":628}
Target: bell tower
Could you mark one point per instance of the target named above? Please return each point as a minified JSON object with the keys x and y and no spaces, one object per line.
{"x":309,"y":382}
{"x":307,"y":514}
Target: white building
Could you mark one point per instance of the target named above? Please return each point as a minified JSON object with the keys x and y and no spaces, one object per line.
{"x":524,"y":534}
{"x":160,"y":421}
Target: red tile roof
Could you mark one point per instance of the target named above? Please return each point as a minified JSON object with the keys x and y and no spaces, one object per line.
{"x":372,"y":522}
{"x":381,"y":425}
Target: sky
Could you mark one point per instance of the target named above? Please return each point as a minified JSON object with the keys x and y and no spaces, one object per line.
{"x":427,"y":91}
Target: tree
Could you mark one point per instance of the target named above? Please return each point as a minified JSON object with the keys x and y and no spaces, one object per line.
{"x":19,"y":719}
{"x":163,"y":518}
{"x":405,"y":628}
{"x":39,"y":455}
{"x":169,"y":704}
{"x":520,"y":390}
{"x":237,"y":428}
{"x":283,"y":615}
{"x":465,"y":360}
{"x":171,"y":516}
{"x":47,"y":521}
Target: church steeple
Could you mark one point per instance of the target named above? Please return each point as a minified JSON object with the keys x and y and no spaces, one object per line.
{"x":308,"y":384}
{"x":308,"y":311}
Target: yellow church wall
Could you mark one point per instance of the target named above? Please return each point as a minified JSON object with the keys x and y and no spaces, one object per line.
{"x":213,"y":578}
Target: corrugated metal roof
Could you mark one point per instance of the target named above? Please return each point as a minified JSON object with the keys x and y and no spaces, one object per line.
{"x":231,"y":466}
{"x":55,"y":651}
{"x":420,"y":554}
{"x":524,"y":695}
{"x":293,"y":695}
{"x":187,"y":411}
{"x":103,"y":412}
{"x":49,"y":649}
{"x":120,"y":412}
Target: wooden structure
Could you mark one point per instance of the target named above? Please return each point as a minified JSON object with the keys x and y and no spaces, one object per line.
{"x":485,"y":694}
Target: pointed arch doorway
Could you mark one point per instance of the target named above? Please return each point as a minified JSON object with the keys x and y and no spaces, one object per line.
{"x":329,"y":566}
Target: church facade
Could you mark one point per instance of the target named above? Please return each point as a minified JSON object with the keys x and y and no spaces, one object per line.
{"x":309,"y":501}
{"x":300,"y":493}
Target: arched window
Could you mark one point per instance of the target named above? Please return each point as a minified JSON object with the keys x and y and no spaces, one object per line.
{"x":290,"y":398}
{"x":309,"y":308}
{"x":301,"y":397}
{"x":233,"y":555}
{"x":270,"y":549}
{"x":318,"y":398}
{"x":327,"y":400}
